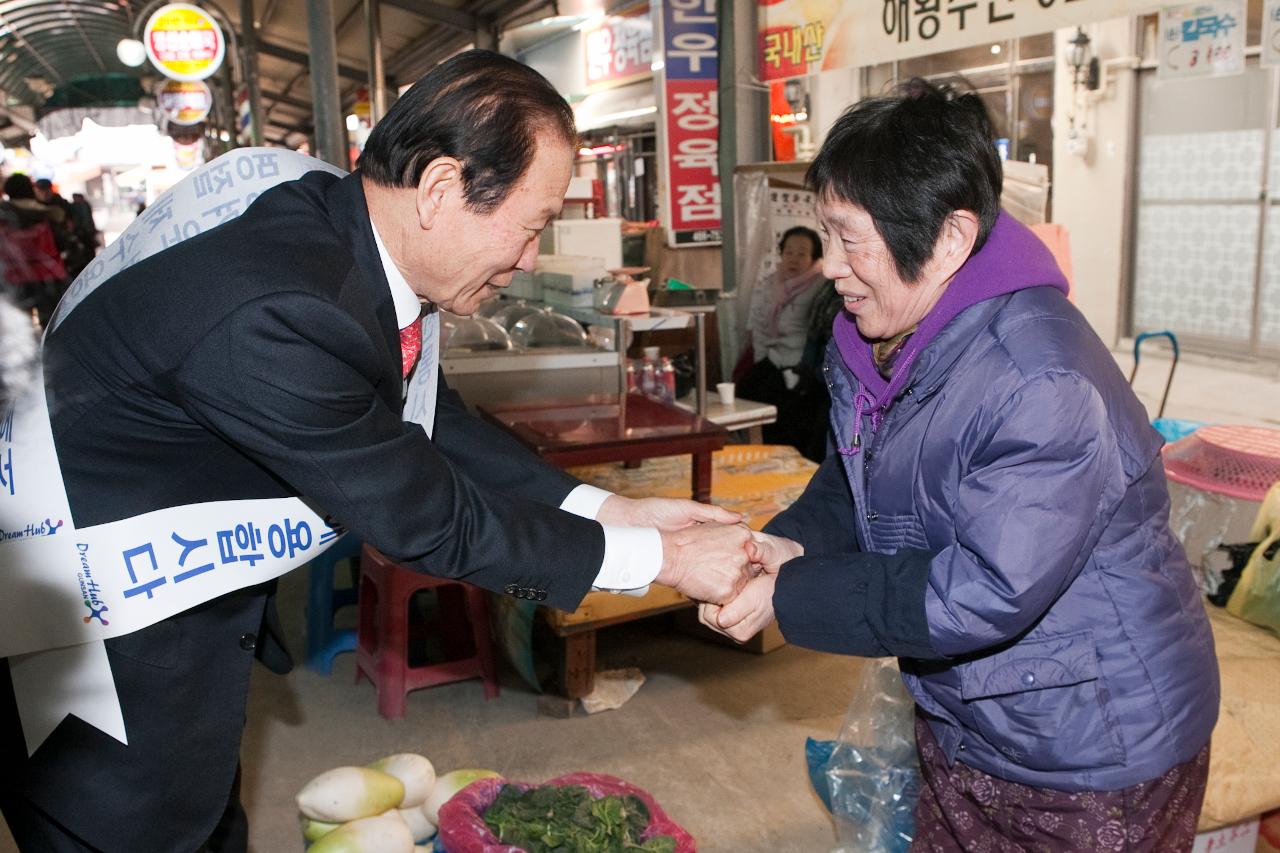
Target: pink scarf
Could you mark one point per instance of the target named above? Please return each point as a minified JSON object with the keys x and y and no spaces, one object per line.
{"x":786,"y":289}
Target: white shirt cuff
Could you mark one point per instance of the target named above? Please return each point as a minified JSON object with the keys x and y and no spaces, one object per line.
{"x":632,"y":559}
{"x":632,"y":555}
{"x":585,"y":501}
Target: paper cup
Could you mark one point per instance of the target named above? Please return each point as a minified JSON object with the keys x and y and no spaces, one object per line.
{"x":725,"y":390}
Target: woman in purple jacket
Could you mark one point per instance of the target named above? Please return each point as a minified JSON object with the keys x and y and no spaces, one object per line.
{"x":997,"y":513}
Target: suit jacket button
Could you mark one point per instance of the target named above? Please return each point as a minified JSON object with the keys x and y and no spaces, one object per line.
{"x":511,"y":589}
{"x":540,"y":595}
{"x":248,"y":642}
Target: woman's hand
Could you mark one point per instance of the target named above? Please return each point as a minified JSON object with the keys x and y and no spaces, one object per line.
{"x":745,"y":616}
{"x":770,"y":552}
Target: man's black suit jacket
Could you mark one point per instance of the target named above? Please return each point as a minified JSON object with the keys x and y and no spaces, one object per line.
{"x":261,"y":359}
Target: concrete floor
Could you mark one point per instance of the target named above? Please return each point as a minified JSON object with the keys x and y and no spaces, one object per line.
{"x":715,"y":734}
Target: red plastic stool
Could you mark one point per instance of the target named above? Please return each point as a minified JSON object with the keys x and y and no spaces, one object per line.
{"x":382,"y":639}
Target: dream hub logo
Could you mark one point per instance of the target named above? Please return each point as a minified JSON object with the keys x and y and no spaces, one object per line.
{"x":89,"y":588}
{"x":31,"y":531}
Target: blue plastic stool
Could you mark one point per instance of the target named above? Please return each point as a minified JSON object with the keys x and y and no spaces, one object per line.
{"x":324,"y":643}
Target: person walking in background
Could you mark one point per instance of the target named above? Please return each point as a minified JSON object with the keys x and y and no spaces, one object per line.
{"x":35,"y":273}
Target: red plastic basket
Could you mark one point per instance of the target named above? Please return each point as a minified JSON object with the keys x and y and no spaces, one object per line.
{"x":1236,"y":461}
{"x":463,"y":830}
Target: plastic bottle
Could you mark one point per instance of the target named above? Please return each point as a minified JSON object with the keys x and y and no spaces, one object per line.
{"x":648,"y":379}
{"x":668,"y":371}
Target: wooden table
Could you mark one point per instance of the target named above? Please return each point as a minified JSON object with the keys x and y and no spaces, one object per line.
{"x":756,"y":481}
{"x":609,"y":428}
{"x":612,"y":428}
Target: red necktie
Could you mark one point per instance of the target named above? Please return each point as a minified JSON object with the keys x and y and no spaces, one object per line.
{"x":410,"y":346}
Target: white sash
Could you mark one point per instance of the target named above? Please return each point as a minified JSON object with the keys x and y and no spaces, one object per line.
{"x":67,"y":589}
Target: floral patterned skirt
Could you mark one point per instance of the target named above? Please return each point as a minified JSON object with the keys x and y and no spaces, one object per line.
{"x":963,"y":809}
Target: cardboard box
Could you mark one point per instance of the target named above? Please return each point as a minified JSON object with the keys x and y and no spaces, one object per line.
{"x":1238,"y":838}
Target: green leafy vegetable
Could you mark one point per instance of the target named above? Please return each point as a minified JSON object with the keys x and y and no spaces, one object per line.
{"x":567,"y":819}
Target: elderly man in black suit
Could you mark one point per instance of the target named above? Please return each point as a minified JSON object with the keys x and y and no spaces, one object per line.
{"x":265,"y":358}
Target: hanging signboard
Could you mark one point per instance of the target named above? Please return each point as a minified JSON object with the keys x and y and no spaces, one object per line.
{"x":1202,"y":39}
{"x":1271,"y":33}
{"x":690,"y":126}
{"x":185,"y":102}
{"x":798,"y":37}
{"x":184,"y":42}
{"x":619,"y":50}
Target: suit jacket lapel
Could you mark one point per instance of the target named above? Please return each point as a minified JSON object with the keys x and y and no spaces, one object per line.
{"x":366,"y":284}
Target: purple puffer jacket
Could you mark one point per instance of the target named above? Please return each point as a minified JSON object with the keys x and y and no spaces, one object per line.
{"x":1014,"y":451}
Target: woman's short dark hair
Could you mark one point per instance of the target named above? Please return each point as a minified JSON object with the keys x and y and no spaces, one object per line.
{"x":19,"y":185}
{"x":909,"y":160}
{"x":483,"y":108}
{"x":801,"y":231}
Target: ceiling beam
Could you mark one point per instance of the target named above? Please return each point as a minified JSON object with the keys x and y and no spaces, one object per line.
{"x":298,"y":57}
{"x":286,"y":100}
{"x":438,"y":12}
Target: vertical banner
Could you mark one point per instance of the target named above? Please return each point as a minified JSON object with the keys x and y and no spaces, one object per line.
{"x":1271,"y":33}
{"x":690,"y":126}
{"x":1202,"y":39}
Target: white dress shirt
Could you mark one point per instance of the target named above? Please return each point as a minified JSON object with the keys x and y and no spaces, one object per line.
{"x":632,"y":555}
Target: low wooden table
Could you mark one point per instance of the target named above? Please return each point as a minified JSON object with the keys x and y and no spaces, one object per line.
{"x":612,"y":428}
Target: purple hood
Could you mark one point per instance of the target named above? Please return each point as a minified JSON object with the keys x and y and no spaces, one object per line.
{"x":1012,"y":259}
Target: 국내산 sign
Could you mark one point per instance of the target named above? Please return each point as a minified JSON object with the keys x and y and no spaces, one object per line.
{"x":184,"y":42}
{"x":798,"y":37}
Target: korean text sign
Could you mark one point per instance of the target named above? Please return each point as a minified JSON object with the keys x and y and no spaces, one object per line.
{"x":798,"y":37}
{"x":691,"y":121}
{"x":620,"y":49}
{"x":1202,"y":39}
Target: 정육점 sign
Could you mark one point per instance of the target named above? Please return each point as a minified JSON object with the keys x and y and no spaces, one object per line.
{"x":185,"y":102}
{"x":690,"y":126}
{"x":184,"y":42}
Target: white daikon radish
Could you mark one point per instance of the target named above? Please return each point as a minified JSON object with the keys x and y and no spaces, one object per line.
{"x":422,"y":827}
{"x":379,"y":834}
{"x":448,"y":785}
{"x":314,"y":830}
{"x":349,"y":793}
{"x":415,"y":771}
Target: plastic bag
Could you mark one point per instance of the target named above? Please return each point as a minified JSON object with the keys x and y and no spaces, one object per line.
{"x":463,"y":830}
{"x":1257,"y":595}
{"x":873,"y":775}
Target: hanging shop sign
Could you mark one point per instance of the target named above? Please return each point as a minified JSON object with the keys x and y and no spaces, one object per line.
{"x":184,"y":42}
{"x":690,"y":126}
{"x":1202,"y":39}
{"x":619,"y":50}
{"x":1271,"y":33}
{"x":798,"y":37}
{"x":185,"y":102}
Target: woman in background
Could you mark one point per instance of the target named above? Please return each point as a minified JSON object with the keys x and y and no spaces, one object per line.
{"x":778,"y":329}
